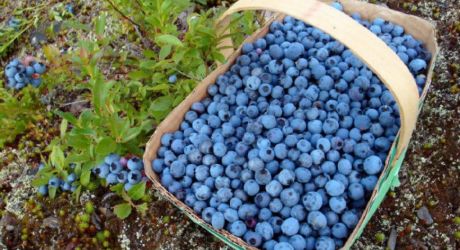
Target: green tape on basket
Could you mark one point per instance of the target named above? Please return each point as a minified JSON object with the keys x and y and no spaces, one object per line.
{"x":389,"y":180}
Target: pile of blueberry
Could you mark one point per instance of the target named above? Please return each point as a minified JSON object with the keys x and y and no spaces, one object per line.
{"x":19,"y":75}
{"x":116,"y":169}
{"x":288,"y":146}
{"x":60,"y":184}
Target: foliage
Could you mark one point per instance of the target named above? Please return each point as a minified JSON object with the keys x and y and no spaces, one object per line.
{"x":11,"y":33}
{"x":17,"y":112}
{"x":121,"y":113}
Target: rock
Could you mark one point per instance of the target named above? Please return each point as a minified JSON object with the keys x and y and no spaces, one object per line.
{"x":424,"y":215}
{"x":51,"y":222}
{"x":392,"y":239}
{"x":96,"y":220}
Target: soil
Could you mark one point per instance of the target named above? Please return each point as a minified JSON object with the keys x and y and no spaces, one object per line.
{"x":430,"y":175}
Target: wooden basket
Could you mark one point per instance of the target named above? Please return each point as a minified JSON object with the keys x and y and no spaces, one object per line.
{"x":365,"y":45}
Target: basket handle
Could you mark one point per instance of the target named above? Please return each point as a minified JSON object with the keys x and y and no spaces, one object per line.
{"x":364,"y":44}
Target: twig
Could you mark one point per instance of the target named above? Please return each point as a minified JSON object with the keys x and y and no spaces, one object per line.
{"x":122,"y":14}
{"x":140,"y":6}
{"x":71,"y":103}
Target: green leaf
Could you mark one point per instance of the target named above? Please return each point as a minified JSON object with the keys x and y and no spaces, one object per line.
{"x":57,"y":157}
{"x":100,"y":24}
{"x":148,"y":53}
{"x":77,"y":193}
{"x":122,"y":210}
{"x":168,"y":39}
{"x":162,"y":103}
{"x":106,"y":146}
{"x":148,"y":64}
{"x":75,"y":24}
{"x":218,"y":56}
{"x":78,"y":141}
{"x":118,"y":189}
{"x":42,"y":178}
{"x":52,"y":192}
{"x":201,"y":71}
{"x":100,"y":93}
{"x":137,"y":191}
{"x":68,"y":116}
{"x":138,"y":75}
{"x":63,"y":127}
{"x":165,"y":51}
{"x":85,"y":177}
{"x":77,"y":158}
{"x":131,"y":134}
{"x":142,"y":208}
{"x":161,"y":107}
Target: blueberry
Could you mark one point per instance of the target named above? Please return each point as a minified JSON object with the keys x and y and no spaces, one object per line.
{"x":111,"y":158}
{"x":286,"y":177}
{"x":373,"y":165}
{"x":122,"y":177}
{"x":224,"y":194}
{"x":289,"y":197}
{"x":334,"y":188}
{"x":340,"y":231}
{"x":43,"y":190}
{"x":283,"y":246}
{"x":317,"y":220}
{"x":325,"y":243}
{"x":263,"y":177}
{"x":317,"y":156}
{"x":233,"y":171}
{"x":39,"y":67}
{"x":203,"y":193}
{"x":294,"y":51}
{"x":290,"y":226}
{"x":177,"y":169}
{"x":65,"y":186}
{"x":355,"y":191}
{"x":417,"y":65}
{"x":369,"y":182}
{"x":208,"y":213}
{"x":264,"y":214}
{"x":312,"y":201}
{"x":217,"y":220}
{"x":303,"y":175}
{"x":298,"y":212}
{"x":337,"y":204}
{"x":276,"y":51}
{"x":251,"y":187}
{"x":112,"y":178}
{"x":247,"y":211}
{"x":231,"y":215}
{"x":265,"y":230}
{"x":135,"y":164}
{"x":253,"y":238}
{"x":134,"y":176}
{"x":10,"y":71}
{"x":350,"y":219}
{"x":172,"y":78}
{"x":303,"y":145}
{"x":219,"y":149}
{"x":71,"y":178}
